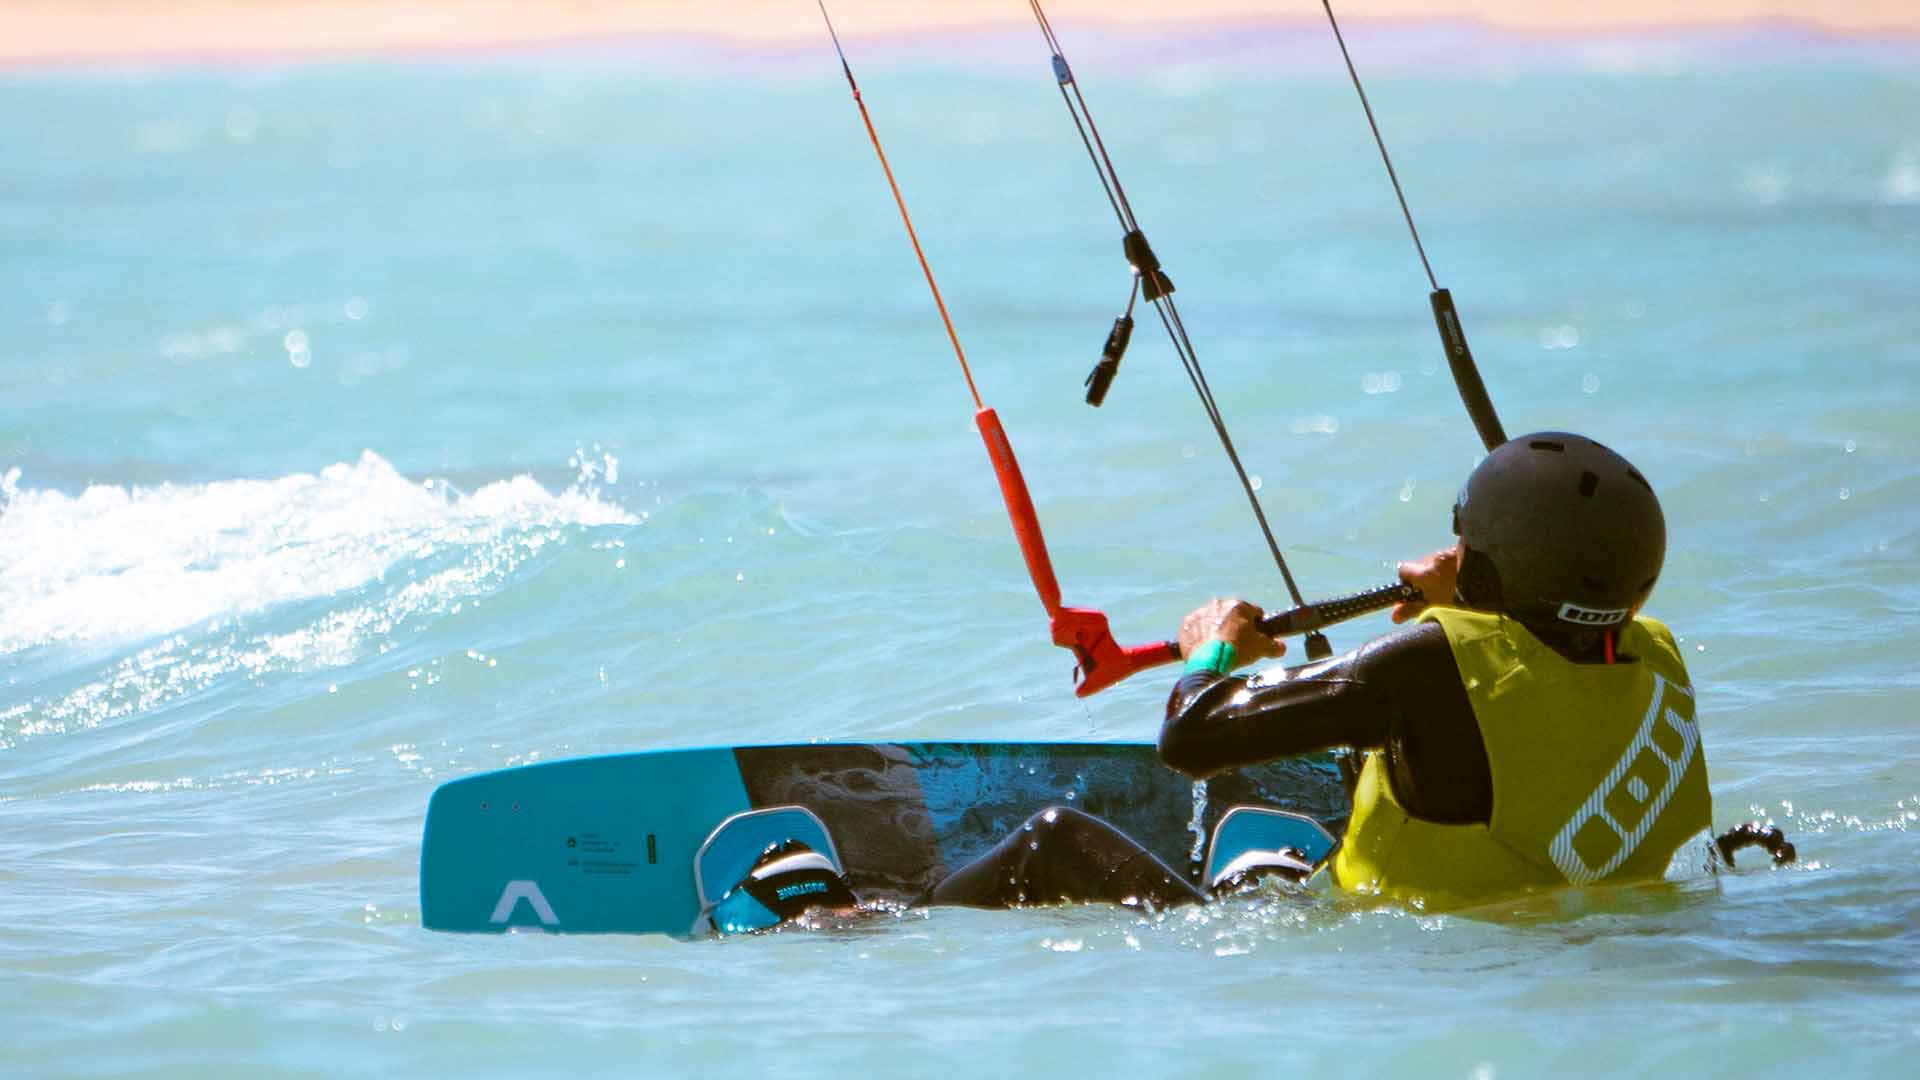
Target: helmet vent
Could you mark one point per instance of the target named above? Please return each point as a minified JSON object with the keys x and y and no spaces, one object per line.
{"x":1588,"y":482}
{"x":1547,"y":444}
{"x":1648,"y":584}
{"x":1593,"y":584}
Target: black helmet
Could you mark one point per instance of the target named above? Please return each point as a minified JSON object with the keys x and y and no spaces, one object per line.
{"x":1559,"y":532}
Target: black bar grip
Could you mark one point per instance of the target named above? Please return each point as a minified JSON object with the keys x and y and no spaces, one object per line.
{"x":1309,"y":617}
{"x":1466,"y":374}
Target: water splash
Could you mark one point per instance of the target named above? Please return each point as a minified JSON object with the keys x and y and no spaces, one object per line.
{"x":116,"y":565}
{"x":124,"y":563}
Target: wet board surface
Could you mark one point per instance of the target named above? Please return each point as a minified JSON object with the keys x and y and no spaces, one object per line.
{"x":606,"y":844}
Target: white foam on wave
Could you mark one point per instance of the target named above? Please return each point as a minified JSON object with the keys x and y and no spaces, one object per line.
{"x":125,"y":563}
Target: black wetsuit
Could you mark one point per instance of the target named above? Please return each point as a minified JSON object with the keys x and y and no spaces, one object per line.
{"x":1400,"y":693}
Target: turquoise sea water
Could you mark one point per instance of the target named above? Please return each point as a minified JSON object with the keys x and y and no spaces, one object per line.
{"x":363,"y":425}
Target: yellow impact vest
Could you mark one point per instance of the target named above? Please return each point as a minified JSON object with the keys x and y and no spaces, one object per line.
{"x":1598,"y":774}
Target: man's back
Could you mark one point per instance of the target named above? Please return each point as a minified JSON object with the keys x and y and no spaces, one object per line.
{"x":1597,"y":773}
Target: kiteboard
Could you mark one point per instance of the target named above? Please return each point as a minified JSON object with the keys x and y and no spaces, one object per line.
{"x":609,"y":844}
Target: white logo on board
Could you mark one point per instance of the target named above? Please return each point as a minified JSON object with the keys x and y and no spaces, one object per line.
{"x":529,"y":891}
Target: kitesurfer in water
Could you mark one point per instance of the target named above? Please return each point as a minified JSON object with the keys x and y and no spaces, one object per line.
{"x":1529,"y":729}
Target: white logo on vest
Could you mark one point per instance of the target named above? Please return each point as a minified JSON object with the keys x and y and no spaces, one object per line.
{"x":1620,"y":813}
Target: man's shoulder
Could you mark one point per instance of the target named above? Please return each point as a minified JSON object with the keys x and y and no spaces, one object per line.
{"x":1655,"y":640}
{"x":1653,"y":626}
{"x":1416,"y":649}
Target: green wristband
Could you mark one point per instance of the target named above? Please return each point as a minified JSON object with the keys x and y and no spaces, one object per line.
{"x":1215,"y":656}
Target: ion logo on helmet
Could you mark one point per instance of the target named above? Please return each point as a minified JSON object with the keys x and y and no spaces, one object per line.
{"x":1580,"y":616}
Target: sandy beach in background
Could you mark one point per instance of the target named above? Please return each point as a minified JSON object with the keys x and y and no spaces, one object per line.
{"x":59,"y":32}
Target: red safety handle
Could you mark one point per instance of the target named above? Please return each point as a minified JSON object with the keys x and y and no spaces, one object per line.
{"x":1102,"y":660}
{"x":1026,"y":524}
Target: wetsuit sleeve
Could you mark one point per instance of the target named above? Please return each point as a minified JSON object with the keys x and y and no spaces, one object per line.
{"x":1217,"y":722}
{"x":1400,"y":693}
